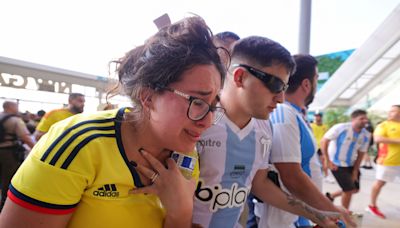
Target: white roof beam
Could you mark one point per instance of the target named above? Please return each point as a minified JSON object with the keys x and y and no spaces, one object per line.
{"x":384,"y":37}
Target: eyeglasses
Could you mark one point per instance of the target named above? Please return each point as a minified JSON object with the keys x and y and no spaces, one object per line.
{"x":272,"y":82}
{"x":198,"y":108}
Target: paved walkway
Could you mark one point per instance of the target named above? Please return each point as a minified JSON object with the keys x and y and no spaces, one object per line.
{"x":388,"y":201}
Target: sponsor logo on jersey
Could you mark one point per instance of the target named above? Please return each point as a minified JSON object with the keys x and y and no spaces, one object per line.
{"x":265,"y":146}
{"x":238,"y":170}
{"x":108,"y":190}
{"x":209,"y":143}
{"x":220,"y":198}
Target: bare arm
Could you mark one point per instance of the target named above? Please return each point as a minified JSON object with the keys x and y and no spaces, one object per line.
{"x":16,"y":216}
{"x":360,"y":156}
{"x":38,"y":134}
{"x":381,"y":139}
{"x":278,"y":198}
{"x":301,"y":186}
{"x":27,"y":140}
{"x":324,"y":149}
{"x":357,"y":163}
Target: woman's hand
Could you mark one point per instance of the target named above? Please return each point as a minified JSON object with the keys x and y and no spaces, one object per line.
{"x":173,"y":189}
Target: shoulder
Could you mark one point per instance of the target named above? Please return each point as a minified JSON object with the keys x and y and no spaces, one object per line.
{"x":264,"y":125}
{"x":283,"y":114}
{"x":54,"y":112}
{"x":383,"y":124}
{"x":75,"y":134}
{"x":11,"y":119}
{"x":341,"y":126}
{"x":94,"y":118}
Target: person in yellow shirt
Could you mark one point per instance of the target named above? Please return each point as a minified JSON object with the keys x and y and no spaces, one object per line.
{"x":76,"y":103}
{"x":319,"y":129}
{"x":387,"y":135}
{"x":116,"y":168}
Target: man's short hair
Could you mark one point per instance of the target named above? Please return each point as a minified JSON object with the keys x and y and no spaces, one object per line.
{"x":305,"y":69}
{"x":357,"y":113}
{"x":318,"y":114}
{"x":398,"y":106}
{"x":227,"y":35}
{"x":41,"y":113}
{"x":75,"y":95}
{"x":260,"y":51}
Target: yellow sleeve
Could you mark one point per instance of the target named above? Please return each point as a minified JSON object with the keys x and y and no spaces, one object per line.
{"x":51,"y":118}
{"x":46,"y":122}
{"x":42,"y":186}
{"x":48,"y":184}
{"x":380,"y":130}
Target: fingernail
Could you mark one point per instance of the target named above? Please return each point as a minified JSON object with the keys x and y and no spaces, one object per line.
{"x":141,"y":150}
{"x":133,"y":163}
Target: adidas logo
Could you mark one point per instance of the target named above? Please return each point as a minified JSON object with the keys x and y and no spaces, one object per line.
{"x":108,"y":190}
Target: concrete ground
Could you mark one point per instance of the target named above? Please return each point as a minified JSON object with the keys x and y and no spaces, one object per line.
{"x":388,"y":201}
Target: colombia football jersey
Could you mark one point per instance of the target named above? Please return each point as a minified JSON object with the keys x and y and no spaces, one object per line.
{"x":53,"y":117}
{"x":389,"y":154}
{"x":80,"y":167}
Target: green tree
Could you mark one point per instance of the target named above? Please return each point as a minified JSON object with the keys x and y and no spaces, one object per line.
{"x":333,"y":116}
{"x":329,"y":64}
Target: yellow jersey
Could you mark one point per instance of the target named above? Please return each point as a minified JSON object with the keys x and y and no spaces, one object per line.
{"x":319,"y":132}
{"x":80,"y":167}
{"x":53,"y":117}
{"x":389,"y":154}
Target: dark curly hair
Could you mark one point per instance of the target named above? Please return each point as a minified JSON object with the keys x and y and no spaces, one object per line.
{"x":166,"y":56}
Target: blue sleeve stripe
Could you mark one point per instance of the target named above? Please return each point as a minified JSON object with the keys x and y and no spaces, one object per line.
{"x":78,"y":148}
{"x":64,"y":134}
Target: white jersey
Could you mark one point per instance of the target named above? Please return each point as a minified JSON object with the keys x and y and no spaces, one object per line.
{"x":345,"y":142}
{"x":293,"y":142}
{"x":229,"y":158}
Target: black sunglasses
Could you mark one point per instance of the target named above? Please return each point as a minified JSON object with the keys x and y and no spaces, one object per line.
{"x":272,"y":82}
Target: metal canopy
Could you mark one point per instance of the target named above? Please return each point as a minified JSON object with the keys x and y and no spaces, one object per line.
{"x":366,"y":68}
{"x":46,"y":76}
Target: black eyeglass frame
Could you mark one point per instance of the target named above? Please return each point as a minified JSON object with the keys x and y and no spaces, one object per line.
{"x":267,"y":79}
{"x":193,"y":98}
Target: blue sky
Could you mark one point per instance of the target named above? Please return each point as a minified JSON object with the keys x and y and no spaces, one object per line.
{"x":84,"y":35}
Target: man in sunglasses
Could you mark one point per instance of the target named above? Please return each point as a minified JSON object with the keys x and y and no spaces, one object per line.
{"x":294,"y":148}
{"x":234,"y":153}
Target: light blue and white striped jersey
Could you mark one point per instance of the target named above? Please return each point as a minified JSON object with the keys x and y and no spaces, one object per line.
{"x":293,"y":142}
{"x":345,"y":143}
{"x":229,"y":158}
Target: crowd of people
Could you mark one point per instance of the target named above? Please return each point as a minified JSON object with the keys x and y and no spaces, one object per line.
{"x":217,"y":123}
